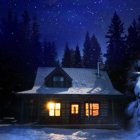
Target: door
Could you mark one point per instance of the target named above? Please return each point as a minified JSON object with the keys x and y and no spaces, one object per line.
{"x":74,"y":111}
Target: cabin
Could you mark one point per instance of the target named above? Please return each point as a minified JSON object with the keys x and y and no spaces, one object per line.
{"x":71,"y":97}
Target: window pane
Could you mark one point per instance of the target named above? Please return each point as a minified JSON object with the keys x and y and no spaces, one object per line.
{"x":55,"y":78}
{"x":74,"y":109}
{"x":61,"y":79}
{"x":51,"y":112}
{"x":57,"y":112}
{"x":58,"y":78}
{"x":87,"y":106}
{"x":90,"y":112}
{"x":95,"y":112}
{"x":96,"y":106}
{"x":91,"y":105}
{"x":51,"y":105}
{"x":57,"y":106}
{"x":92,"y":109}
{"x":87,"y":113}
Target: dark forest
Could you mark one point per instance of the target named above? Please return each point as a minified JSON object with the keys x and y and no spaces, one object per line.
{"x":22,"y":52}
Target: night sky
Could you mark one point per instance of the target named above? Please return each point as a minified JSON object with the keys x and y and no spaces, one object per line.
{"x":69,"y":20}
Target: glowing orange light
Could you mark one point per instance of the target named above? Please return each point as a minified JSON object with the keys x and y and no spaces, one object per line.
{"x":54,"y":108}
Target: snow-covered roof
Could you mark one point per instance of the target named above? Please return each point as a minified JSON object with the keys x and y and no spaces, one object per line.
{"x":84,"y":81}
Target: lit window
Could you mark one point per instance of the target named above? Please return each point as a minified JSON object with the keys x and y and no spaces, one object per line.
{"x":92,"y":109}
{"x":54,"y":109}
{"x":74,"y":109}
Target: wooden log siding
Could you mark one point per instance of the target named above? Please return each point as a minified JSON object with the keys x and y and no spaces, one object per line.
{"x":65,"y":109}
{"x":104,"y":108}
{"x":105,"y":113}
{"x":82,"y":110}
{"x":118,"y":112}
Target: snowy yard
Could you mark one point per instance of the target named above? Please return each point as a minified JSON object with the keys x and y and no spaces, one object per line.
{"x":27,"y":133}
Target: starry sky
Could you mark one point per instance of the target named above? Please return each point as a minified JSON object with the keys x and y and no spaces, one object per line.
{"x":68,"y":20}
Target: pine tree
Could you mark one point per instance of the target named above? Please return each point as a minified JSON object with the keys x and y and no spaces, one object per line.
{"x":54,"y":54}
{"x":133,"y":53}
{"x":116,"y":52}
{"x":50,"y":54}
{"x":115,"y":43}
{"x":45,"y":51}
{"x":66,"y":60}
{"x":138,"y":38}
{"x":86,"y":52}
{"x":95,"y":52}
{"x":35,"y":44}
{"x":9,"y":59}
{"x":34,"y":58}
{"x":5,"y":44}
{"x":25,"y":46}
{"x":24,"y":35}
{"x":132,"y":42}
{"x":91,"y":52}
{"x":78,"y":60}
{"x":72,"y":57}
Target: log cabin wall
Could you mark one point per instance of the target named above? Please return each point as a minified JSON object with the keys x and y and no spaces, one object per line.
{"x":106,"y":115}
{"x":27,"y":108}
{"x":104,"y":111}
{"x":32,"y":108}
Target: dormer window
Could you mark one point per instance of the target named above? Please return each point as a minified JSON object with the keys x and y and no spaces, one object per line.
{"x":58,"y":78}
{"x":58,"y":81}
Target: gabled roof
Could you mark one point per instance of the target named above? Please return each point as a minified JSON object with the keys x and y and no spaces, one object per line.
{"x":81,"y":77}
{"x":60,"y":70}
{"x":84,"y":81}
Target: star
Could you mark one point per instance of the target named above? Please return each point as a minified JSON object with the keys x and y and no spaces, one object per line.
{"x":69,"y":20}
{"x":131,"y":9}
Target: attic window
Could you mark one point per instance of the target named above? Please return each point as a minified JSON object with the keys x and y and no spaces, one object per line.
{"x":92,"y":109}
{"x":58,"y":81}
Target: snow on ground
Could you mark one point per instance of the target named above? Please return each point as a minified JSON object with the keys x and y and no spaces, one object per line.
{"x":28,"y":133}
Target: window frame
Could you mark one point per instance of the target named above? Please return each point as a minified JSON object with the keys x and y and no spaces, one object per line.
{"x":54,"y":110}
{"x":91,"y":109}
{"x":58,"y":81}
{"x":76,"y":111}
{"x":58,"y":78}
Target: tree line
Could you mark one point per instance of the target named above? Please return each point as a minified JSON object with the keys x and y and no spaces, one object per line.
{"x":91,"y":54}
{"x":19,"y":51}
{"x":22,"y":52}
{"x":123,"y":50}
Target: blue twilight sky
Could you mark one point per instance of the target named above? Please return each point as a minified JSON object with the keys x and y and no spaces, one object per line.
{"x":68,"y":20}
